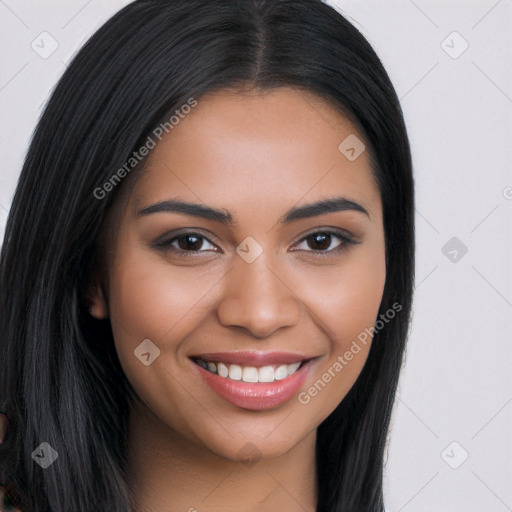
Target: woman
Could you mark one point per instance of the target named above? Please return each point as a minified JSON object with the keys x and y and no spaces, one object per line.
{"x":207,"y":271}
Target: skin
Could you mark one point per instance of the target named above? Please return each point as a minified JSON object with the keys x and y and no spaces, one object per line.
{"x":256,"y":155}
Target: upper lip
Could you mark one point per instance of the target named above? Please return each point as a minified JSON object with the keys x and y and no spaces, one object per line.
{"x":254,"y":358}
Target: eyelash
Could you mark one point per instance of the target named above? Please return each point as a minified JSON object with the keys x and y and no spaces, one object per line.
{"x":165,"y":244}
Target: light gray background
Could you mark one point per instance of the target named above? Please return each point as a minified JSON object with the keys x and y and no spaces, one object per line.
{"x":455,"y":397}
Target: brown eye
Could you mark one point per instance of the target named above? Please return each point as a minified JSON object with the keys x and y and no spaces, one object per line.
{"x":319,"y":241}
{"x":324,"y":242}
{"x":186,"y":244}
{"x":189,"y":242}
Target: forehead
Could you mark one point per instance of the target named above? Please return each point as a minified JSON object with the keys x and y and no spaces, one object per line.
{"x":254,"y":148}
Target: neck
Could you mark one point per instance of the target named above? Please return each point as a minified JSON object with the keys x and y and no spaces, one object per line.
{"x":166,"y":469}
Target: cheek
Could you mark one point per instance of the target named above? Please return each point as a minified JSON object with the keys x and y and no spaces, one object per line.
{"x":345,"y":305}
{"x":356,"y":293}
{"x":151,"y":298}
{"x":346,"y":296}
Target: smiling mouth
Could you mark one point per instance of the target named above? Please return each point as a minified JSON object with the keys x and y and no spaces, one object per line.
{"x":264,"y":374}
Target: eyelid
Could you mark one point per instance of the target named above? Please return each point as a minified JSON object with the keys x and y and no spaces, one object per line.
{"x":326,"y":229}
{"x":345,"y":237}
{"x":164,"y":242}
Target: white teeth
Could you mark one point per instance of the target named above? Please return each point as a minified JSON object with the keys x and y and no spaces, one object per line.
{"x":292,"y":368}
{"x":222,"y":370}
{"x":266,"y":374}
{"x":251,"y":373}
{"x":235,"y":372}
{"x":281,"y":373}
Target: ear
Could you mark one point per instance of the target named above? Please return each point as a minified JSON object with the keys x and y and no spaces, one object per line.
{"x":95,"y":300}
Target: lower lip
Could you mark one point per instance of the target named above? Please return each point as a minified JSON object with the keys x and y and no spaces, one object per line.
{"x":256,"y":395}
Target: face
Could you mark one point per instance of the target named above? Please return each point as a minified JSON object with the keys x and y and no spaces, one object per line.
{"x":226,"y":253}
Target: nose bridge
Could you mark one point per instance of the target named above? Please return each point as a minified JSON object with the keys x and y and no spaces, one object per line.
{"x":257,"y":298}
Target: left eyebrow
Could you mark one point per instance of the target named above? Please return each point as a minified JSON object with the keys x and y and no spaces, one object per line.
{"x":336,"y":204}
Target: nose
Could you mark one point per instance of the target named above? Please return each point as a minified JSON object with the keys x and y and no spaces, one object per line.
{"x":257,"y":299}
